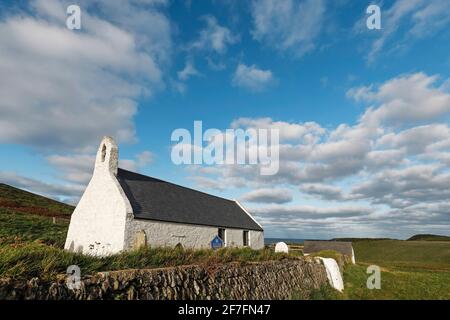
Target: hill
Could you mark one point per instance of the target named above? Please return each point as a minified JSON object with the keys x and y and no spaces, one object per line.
{"x":360,"y":239}
{"x":428,"y":237}
{"x":17,"y":200}
{"x":28,"y":217}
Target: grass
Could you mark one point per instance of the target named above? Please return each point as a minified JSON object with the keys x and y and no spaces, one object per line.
{"x":427,"y":255}
{"x":19,"y":227}
{"x":27,"y":217}
{"x":28,"y":260}
{"x":397,"y":284}
{"x":410,"y":270}
{"x":328,"y":254}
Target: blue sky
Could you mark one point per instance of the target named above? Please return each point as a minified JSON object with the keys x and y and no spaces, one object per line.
{"x":365,"y":111}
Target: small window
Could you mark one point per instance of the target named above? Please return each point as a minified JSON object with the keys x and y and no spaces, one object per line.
{"x":245,"y":239}
{"x":103,"y":153}
{"x":221,"y":234}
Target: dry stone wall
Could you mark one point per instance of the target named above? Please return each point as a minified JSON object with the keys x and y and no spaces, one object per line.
{"x":264,"y":280}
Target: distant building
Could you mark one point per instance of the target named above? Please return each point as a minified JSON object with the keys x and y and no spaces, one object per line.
{"x":343,"y":247}
{"x":121,"y":210}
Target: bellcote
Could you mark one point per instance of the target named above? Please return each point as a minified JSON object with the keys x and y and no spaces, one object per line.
{"x":107,"y":156}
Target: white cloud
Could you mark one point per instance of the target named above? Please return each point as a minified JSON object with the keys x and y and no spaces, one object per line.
{"x":431,"y":18}
{"x":311,"y":212}
{"x":287,"y":24}
{"x":378,"y":159}
{"x":66,"y":89}
{"x":307,"y":132}
{"x":74,"y":168}
{"x":77,"y":169}
{"x":392,"y":21}
{"x":252,"y":78}
{"x":323,"y":191}
{"x":214,"y":37}
{"x":416,"y":139}
{"x":188,"y":71}
{"x":404,"y":100}
{"x":141,"y":160}
{"x":405,"y":187}
{"x":61,"y":192}
{"x":267,"y":196}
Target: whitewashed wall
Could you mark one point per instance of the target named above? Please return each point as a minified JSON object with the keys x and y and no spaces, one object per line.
{"x":97,"y":225}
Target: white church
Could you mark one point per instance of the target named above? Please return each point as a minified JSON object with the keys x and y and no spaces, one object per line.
{"x":122,"y":210}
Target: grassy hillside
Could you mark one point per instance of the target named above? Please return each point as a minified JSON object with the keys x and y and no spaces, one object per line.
{"x":27,"y":217}
{"x":17,"y":227}
{"x":20,"y":201}
{"x":360,"y":239}
{"x":428,"y":237}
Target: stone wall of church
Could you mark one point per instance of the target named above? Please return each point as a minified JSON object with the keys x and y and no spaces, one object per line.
{"x":166,"y":234}
{"x":264,"y":280}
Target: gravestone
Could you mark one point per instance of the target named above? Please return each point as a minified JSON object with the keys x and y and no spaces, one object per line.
{"x":140,"y":240}
{"x":281,"y":247}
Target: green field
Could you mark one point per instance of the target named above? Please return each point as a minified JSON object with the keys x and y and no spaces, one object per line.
{"x":19,"y":227}
{"x":409,"y":270}
{"x":405,"y":255}
{"x":26,"y":217}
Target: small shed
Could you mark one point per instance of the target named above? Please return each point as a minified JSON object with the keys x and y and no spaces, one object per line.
{"x":343,"y":247}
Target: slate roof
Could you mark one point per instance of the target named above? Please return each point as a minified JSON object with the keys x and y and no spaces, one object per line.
{"x":313,"y":246}
{"x":155,"y":199}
